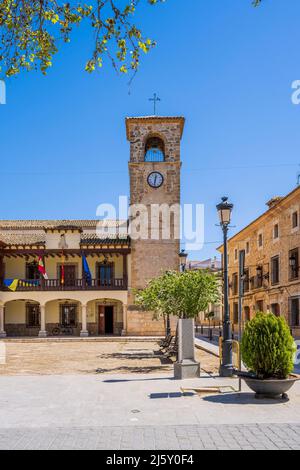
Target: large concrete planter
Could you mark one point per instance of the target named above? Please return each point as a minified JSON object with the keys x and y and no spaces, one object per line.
{"x":186,"y":367}
{"x":271,"y":388}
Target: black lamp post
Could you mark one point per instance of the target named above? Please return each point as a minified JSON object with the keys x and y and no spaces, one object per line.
{"x":226,"y":369}
{"x":183,"y":260}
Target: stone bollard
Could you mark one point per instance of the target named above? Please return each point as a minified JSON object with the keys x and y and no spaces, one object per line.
{"x":186,"y":367}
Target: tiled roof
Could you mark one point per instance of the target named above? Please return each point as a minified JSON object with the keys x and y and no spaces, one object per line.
{"x":39,"y":238}
{"x":94,"y":239}
{"x":32,"y":232}
{"x":34,"y":238}
{"x":41,"y":224}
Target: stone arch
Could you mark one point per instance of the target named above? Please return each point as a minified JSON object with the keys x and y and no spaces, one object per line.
{"x":154,"y":148}
{"x":63,"y":316}
{"x":21,"y":317}
{"x":102,"y":311}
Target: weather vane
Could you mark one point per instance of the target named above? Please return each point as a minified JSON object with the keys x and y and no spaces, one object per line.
{"x":155,"y":99}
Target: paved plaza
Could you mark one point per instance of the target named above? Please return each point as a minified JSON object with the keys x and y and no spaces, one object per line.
{"x":194,"y":437}
{"x":140,"y":411}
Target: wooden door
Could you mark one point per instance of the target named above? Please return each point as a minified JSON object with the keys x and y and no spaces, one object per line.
{"x":70,"y":274}
{"x":101,"y":320}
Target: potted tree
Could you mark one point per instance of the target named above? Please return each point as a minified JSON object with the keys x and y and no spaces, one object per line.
{"x":268,"y":350}
{"x":182,"y":295}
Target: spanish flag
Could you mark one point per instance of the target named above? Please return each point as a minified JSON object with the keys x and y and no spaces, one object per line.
{"x":11,"y":284}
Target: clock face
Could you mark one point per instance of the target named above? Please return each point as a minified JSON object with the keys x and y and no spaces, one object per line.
{"x":155,"y":179}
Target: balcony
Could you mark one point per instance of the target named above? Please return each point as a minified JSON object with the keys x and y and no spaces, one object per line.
{"x":71,"y":285}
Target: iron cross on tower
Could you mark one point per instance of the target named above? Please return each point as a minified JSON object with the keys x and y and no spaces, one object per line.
{"x":155,"y":99}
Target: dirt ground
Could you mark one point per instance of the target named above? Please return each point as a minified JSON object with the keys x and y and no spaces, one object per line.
{"x":73,"y":358}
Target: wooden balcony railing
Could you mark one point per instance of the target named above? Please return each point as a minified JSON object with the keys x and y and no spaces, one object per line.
{"x":74,"y":284}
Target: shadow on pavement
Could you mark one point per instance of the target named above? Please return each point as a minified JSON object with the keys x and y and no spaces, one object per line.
{"x":171,"y":395}
{"x":241,"y":399}
{"x":110,"y":381}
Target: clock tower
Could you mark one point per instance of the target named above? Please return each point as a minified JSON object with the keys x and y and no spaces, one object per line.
{"x":154,"y":170}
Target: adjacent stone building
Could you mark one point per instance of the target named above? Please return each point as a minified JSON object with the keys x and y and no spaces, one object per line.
{"x":213,"y":265}
{"x":272,"y":269}
{"x":90,"y":276}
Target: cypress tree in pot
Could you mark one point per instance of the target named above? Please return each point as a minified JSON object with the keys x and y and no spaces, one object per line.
{"x":268,"y":350}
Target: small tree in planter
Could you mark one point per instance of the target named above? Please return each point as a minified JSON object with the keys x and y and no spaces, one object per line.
{"x":183,"y":295}
{"x":268,"y":350}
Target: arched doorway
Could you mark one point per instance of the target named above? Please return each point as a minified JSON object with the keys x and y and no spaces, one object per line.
{"x":105,"y":317}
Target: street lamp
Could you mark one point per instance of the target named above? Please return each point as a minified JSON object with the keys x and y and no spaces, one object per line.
{"x":226,"y":369}
{"x":183,"y":260}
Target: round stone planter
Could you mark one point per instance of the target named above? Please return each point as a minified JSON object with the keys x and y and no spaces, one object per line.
{"x":271,"y":388}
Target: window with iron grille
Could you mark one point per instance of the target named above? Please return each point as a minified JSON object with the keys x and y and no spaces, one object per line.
{"x":235,"y":313}
{"x":295,"y":219}
{"x":235,"y":284}
{"x":275,"y":270}
{"x":294,"y":264}
{"x":68,"y":315}
{"x":275,"y":309}
{"x":246,"y":313}
{"x":246,"y":280}
{"x":259,"y":277}
{"x":295,"y":312}
{"x":33,"y":316}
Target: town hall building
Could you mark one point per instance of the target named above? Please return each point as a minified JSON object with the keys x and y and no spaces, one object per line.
{"x":61,"y":277}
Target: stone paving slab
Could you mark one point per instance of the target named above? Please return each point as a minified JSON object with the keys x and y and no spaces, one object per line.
{"x":132,"y":400}
{"x":194,"y":437}
{"x":141,"y":411}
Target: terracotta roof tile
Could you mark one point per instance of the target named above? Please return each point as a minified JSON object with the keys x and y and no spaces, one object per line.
{"x":41,"y":224}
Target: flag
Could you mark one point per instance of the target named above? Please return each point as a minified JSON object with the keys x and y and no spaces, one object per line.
{"x":42,"y":269}
{"x":62,"y":271}
{"x":86,"y":271}
{"x":62,"y":274}
{"x":12,"y":284}
{"x":28,"y":283}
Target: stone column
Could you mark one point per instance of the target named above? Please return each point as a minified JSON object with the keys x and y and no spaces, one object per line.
{"x":124,"y":331}
{"x":43,"y":332}
{"x":84,"y":331}
{"x":2,"y":331}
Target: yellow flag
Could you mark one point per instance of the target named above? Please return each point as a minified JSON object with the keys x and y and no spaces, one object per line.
{"x":14,"y":285}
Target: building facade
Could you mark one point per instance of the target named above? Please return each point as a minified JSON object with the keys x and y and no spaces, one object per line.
{"x":213,"y":265}
{"x":272,"y":270}
{"x":92,"y":268}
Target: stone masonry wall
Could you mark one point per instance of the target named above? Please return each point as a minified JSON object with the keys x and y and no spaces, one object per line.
{"x":289,"y":239}
{"x":152,"y":257}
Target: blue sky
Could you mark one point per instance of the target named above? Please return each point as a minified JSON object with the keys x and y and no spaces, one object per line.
{"x":225,"y":66}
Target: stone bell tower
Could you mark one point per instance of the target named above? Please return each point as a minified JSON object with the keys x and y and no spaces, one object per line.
{"x":154,"y":170}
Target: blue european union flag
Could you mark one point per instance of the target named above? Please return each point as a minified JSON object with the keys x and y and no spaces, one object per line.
{"x":86,"y":271}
